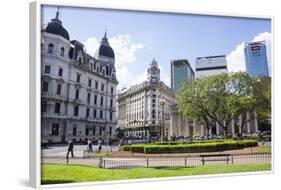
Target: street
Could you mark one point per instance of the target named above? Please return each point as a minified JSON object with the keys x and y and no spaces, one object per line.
{"x":59,"y":151}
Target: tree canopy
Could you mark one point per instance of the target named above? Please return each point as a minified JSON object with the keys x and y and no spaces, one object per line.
{"x":222,"y":98}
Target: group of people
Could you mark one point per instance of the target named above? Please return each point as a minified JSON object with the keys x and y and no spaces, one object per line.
{"x":89,"y":148}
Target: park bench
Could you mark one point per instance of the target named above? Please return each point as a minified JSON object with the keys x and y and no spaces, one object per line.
{"x":214,"y":158}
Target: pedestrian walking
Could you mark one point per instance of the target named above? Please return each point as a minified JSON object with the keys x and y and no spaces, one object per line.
{"x":120,"y":142}
{"x":70,"y":149}
{"x":100,"y":145}
{"x":90,"y":146}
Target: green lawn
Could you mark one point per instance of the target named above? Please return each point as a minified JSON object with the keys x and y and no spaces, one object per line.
{"x":58,"y":173}
{"x":264,"y":149}
{"x":103,"y":154}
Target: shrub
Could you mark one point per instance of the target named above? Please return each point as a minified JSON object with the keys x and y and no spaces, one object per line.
{"x":191,"y":147}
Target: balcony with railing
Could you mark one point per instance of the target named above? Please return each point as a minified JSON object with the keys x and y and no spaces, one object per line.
{"x":53,"y":96}
{"x":53,"y":115}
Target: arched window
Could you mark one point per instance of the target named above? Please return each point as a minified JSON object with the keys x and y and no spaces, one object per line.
{"x":50,"y":48}
{"x":62,"y":51}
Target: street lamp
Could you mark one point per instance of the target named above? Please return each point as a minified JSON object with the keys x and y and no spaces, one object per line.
{"x":162,"y":103}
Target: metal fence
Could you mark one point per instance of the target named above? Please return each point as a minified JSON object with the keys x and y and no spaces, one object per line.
{"x":123,"y":163}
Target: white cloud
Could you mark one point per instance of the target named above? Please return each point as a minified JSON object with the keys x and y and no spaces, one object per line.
{"x":164,"y":76}
{"x":236,"y":59}
{"x":125,"y":57}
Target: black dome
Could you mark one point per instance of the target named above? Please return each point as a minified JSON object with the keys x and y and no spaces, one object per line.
{"x":55,"y":27}
{"x":105,"y":49}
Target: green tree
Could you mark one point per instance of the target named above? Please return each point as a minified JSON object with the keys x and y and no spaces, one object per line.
{"x":221,"y":98}
{"x":190,"y":97}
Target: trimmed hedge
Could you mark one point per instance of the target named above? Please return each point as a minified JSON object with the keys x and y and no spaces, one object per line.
{"x":190,"y":142}
{"x":190,"y":148}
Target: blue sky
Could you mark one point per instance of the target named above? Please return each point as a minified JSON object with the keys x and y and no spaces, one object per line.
{"x":164,"y":36}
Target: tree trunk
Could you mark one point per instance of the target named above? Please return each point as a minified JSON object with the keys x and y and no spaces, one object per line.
{"x":207,"y":134}
{"x":225,"y":133}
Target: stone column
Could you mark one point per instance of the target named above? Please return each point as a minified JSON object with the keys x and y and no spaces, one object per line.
{"x":256,"y":122}
{"x":240,"y":123}
{"x":173,"y":124}
{"x":202,"y":132}
{"x":248,"y":123}
{"x":233,"y":127}
{"x":187,"y":128}
{"x":179,"y":126}
{"x":194,"y":127}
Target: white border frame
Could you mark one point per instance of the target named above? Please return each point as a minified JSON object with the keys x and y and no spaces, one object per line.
{"x":35,"y":90}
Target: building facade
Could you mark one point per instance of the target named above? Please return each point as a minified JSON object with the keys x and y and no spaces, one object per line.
{"x":144,"y":108}
{"x":256,"y":59}
{"x":78,"y":91}
{"x":211,"y":65}
{"x":181,"y":72}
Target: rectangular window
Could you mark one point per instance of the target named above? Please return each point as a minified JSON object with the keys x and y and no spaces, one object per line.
{"x":87,"y":131}
{"x":57,"y":108}
{"x":74,"y":131}
{"x":78,"y":77}
{"x":94,"y":130}
{"x":95,"y":113}
{"x":101,"y":114}
{"x":43,"y":106}
{"x":55,"y":129}
{"x":87,"y":112}
{"x":58,"y":89}
{"x":77,"y":94}
{"x":101,"y":101}
{"x":100,"y":130}
{"x":102,"y":87}
{"x":76,"y":110}
{"x":45,"y":86}
{"x":111,"y":102}
{"x":111,"y":90}
{"x":95,"y":99}
{"x":47,"y":69}
{"x":89,"y":98}
{"x":110,"y":131}
{"x":96,"y":85}
{"x":110,"y":116}
{"x":89,"y":82}
{"x":60,"y":72}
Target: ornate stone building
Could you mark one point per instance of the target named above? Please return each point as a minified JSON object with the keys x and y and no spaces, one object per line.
{"x":144,"y":107}
{"x":78,"y":91}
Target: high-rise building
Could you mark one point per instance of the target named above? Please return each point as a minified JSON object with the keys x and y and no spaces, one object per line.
{"x":181,"y":72}
{"x":211,"y":65}
{"x":256,"y":59}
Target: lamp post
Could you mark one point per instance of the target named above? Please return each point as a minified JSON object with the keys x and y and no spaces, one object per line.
{"x":162,"y":103}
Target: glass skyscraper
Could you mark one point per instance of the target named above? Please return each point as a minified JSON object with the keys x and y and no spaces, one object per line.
{"x":256,"y":59}
{"x":181,"y":72}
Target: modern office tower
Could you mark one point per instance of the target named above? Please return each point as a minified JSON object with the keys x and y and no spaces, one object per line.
{"x":181,"y":72}
{"x":211,"y":65}
{"x":256,"y":59}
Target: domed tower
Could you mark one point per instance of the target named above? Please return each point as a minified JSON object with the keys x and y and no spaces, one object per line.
{"x":55,"y":27}
{"x":105,"y":52}
{"x":153,"y":72}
